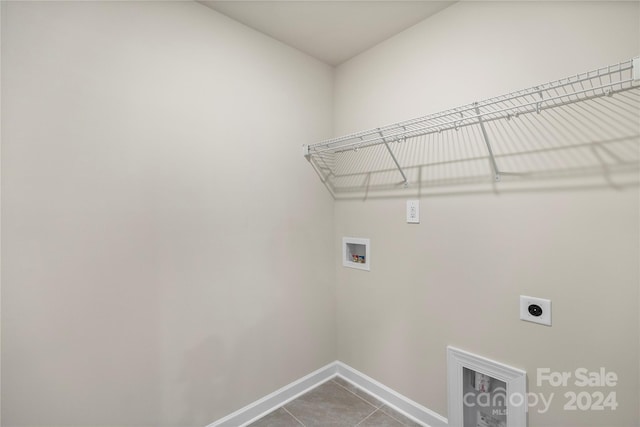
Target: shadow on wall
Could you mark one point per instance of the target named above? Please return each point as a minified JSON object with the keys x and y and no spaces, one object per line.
{"x":584,"y":145}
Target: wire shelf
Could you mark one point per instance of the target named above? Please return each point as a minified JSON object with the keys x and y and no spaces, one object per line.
{"x":370,"y":158}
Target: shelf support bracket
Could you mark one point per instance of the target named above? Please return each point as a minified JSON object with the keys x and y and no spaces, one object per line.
{"x":404,"y":177}
{"x":496,"y":171}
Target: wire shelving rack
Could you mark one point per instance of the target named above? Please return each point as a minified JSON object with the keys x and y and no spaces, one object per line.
{"x":604,"y":82}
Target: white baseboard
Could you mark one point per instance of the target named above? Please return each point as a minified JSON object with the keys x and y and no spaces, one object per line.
{"x":281,"y":397}
{"x":278,"y":398}
{"x":392,"y":398}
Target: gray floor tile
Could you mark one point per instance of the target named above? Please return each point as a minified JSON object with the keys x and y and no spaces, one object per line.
{"x":380,"y":419}
{"x":398,"y":416}
{"x":277,"y":418}
{"x":329,"y":405}
{"x":356,"y":390}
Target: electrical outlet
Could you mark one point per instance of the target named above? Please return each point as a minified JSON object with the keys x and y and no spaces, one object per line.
{"x":536,"y":310}
{"x":413,"y":211}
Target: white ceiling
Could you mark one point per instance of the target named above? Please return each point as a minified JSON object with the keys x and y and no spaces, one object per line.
{"x":331,"y":31}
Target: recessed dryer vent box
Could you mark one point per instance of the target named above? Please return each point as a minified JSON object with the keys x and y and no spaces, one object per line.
{"x":356,"y":253}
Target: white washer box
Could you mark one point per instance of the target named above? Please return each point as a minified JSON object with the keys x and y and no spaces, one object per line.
{"x":356,"y":253}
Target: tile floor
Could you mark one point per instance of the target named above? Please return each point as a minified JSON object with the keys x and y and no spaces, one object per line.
{"x":335,"y":403}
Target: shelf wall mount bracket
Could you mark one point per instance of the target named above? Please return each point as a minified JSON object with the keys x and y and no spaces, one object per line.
{"x":386,"y":144}
{"x":636,"y":68}
{"x":494,"y":165}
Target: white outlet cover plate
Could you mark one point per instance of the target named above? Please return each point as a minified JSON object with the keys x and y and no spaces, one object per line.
{"x":545,"y":304}
{"x":413,"y":211}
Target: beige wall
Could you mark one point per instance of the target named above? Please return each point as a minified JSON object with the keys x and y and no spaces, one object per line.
{"x":455,"y":278}
{"x":167,"y":253}
{"x":157,"y":217}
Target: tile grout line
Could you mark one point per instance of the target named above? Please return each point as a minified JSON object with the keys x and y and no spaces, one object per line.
{"x":359,"y":397}
{"x":294,"y":417}
{"x":378,"y":408}
{"x":391,"y":416}
{"x":375,"y":408}
{"x":368,"y":416}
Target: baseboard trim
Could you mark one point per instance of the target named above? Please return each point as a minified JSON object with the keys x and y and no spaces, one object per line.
{"x":392,"y":398}
{"x":278,"y":398}
{"x":402,"y":404}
